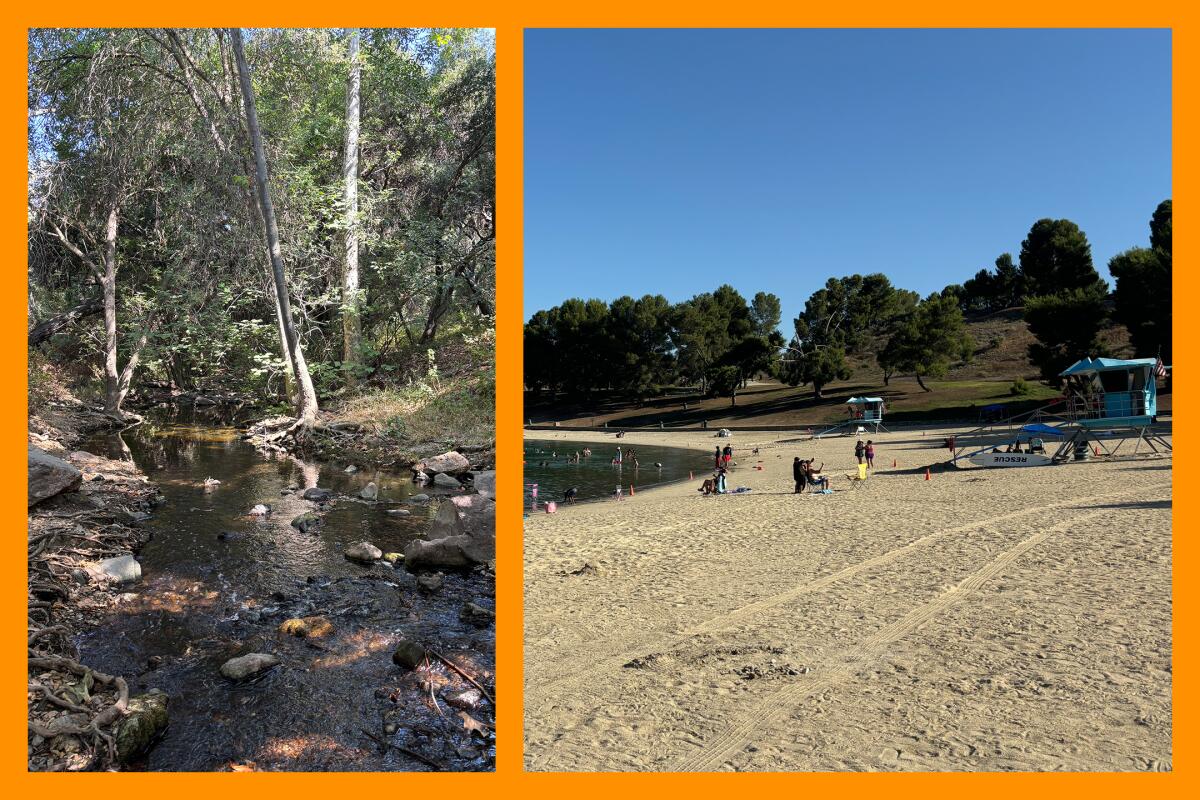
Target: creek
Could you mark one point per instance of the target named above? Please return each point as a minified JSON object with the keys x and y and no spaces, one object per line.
{"x":217,"y":583}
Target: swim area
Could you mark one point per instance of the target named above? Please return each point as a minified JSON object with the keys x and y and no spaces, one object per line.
{"x":550,"y":466}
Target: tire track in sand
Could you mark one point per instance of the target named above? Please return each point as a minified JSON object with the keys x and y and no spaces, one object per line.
{"x":783,"y":702}
{"x":583,"y":669}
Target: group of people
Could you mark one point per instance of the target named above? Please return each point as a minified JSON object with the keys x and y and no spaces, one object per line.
{"x":722,"y":461}
{"x":865,"y":453}
{"x":722,"y":458}
{"x":805,"y":475}
{"x":629,"y":455}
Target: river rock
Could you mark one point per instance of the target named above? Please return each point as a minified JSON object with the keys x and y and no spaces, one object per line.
{"x":350,"y":470}
{"x":247,"y":666}
{"x":453,"y":552}
{"x":49,"y":476}
{"x":408,"y":655}
{"x":145,"y":721}
{"x":260,"y":510}
{"x":363,"y":552}
{"x":306,"y":522}
{"x":464,"y":699}
{"x":445,"y":523}
{"x":444,"y":481}
{"x":431,"y":583}
{"x":369,"y":492}
{"x":477,"y":615}
{"x":450,"y":462}
{"x":485,"y":483}
{"x":307,"y":627}
{"x":123,"y":569}
{"x":419,"y":498}
{"x":317,"y":495}
{"x":399,"y":512}
{"x":470,"y":503}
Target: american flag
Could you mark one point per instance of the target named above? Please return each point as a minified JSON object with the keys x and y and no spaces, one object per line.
{"x":1160,"y":371}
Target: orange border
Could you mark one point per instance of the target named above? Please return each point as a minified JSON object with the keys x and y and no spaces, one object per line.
{"x":509,"y":22}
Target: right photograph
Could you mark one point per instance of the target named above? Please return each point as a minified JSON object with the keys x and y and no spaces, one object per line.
{"x":848,"y":389}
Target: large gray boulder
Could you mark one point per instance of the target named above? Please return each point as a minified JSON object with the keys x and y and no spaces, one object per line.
{"x":147,"y":718}
{"x":49,"y":476}
{"x":485,"y":483}
{"x":444,"y":481}
{"x":122,"y":569}
{"x":363,"y":553}
{"x":445,"y":523}
{"x":247,"y":666}
{"x":369,"y":492}
{"x":450,"y":463}
{"x":448,"y":544}
{"x":317,"y":495}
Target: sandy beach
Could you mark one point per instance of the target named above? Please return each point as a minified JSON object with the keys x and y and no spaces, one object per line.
{"x":994,"y":620}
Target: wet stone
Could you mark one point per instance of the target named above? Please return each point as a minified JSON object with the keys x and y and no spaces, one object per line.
{"x":306,"y":522}
{"x":408,"y":655}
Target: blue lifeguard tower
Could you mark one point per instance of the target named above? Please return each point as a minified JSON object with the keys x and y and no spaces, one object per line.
{"x":865,"y":412}
{"x":1111,"y":391}
{"x":1106,"y":402}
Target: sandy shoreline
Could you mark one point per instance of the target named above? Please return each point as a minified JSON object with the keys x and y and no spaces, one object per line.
{"x":981,"y":620}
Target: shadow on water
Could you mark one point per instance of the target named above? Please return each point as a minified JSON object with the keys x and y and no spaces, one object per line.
{"x":205,"y":599}
{"x":596,"y":476}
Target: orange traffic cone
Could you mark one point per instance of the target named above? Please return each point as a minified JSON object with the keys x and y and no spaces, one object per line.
{"x":1096,"y":450}
{"x":631,"y":492}
{"x":927,"y":473}
{"x":893,"y":463}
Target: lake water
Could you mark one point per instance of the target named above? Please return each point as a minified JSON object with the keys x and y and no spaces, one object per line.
{"x":596,"y":477}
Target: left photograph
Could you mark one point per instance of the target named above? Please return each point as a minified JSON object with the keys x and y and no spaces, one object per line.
{"x":261,"y":371}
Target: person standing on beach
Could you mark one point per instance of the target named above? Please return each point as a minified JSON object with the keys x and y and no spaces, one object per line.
{"x":870,"y":453}
{"x":799,"y":475}
{"x":717,"y":458}
{"x":727,"y":456}
{"x":859,"y":451}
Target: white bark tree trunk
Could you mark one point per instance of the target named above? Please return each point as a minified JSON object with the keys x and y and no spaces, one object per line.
{"x":306,"y":396}
{"x":351,"y":326}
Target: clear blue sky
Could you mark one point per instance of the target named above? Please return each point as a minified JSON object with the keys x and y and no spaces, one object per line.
{"x":673,"y":161}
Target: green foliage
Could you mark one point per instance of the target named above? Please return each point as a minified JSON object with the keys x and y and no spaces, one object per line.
{"x":929,"y":340}
{"x":992,"y":291}
{"x":112,"y":113}
{"x":1142,"y":297}
{"x":1066,"y":325}
{"x":1020,"y":388}
{"x":1055,"y":257}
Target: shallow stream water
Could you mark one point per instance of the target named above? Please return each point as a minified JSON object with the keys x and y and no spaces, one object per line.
{"x":218,"y":582}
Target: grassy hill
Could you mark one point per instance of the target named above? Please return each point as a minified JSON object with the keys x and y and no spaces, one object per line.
{"x":1001,"y":340}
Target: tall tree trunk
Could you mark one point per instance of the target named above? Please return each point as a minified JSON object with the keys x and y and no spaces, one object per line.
{"x":922,"y":383}
{"x":306,"y":396}
{"x":817,"y":395}
{"x":108,"y":284}
{"x":351,"y":326}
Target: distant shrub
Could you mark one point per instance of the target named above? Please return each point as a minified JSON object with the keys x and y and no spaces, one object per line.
{"x":1020,"y":388}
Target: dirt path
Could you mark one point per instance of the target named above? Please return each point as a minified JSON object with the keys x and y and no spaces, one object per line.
{"x":978,"y":620}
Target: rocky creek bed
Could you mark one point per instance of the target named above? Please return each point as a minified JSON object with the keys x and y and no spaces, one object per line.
{"x":172,"y":629}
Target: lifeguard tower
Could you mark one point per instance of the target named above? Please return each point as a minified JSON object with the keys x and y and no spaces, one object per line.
{"x":864,"y":413}
{"x":1106,"y":403}
{"x":1111,"y":401}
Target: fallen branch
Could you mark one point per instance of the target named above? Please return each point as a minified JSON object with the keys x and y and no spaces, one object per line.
{"x":464,"y":674}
